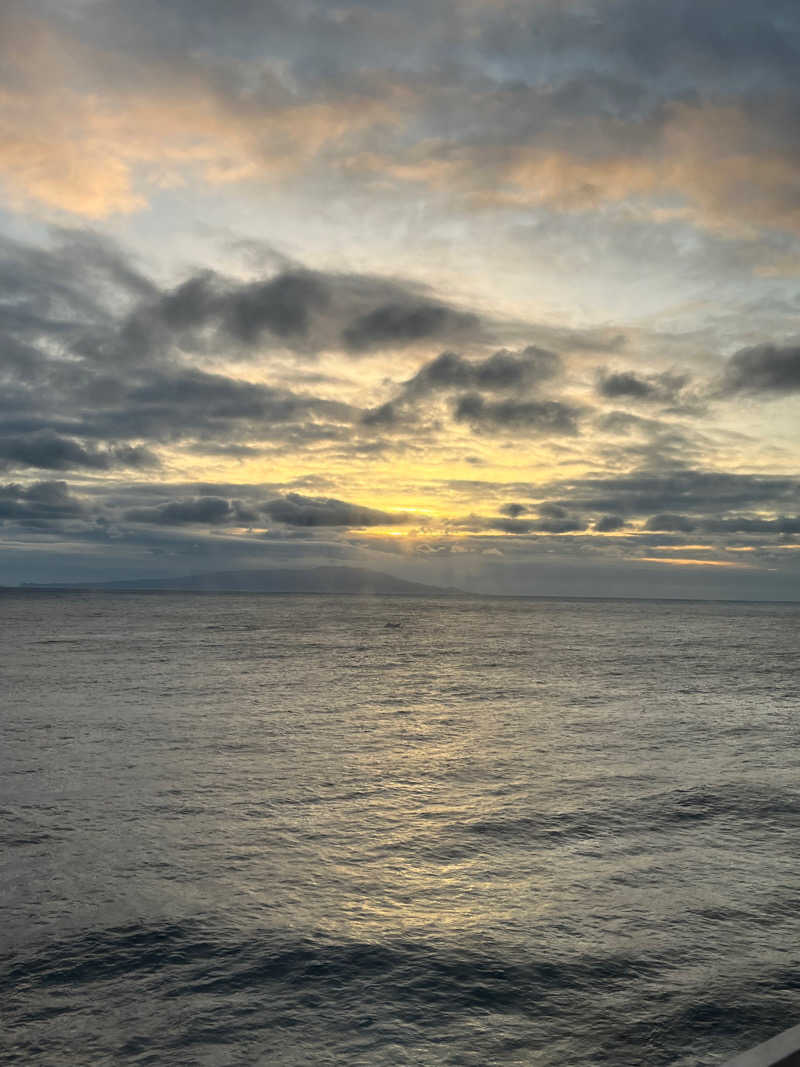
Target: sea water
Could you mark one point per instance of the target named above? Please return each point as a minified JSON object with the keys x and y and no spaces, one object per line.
{"x":273,"y":829}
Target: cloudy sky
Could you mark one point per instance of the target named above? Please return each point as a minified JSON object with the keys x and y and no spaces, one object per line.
{"x":492,"y":293}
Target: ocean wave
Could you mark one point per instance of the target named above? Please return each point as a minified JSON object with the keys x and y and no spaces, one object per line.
{"x":761,"y":807}
{"x":281,"y":982}
{"x":201,"y":960}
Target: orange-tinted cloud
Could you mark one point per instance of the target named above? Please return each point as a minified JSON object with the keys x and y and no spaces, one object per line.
{"x":72,"y":140}
{"x":79,"y":137}
{"x":708,"y":163}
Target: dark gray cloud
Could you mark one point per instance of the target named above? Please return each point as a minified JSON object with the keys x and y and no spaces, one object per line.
{"x":40,"y":502}
{"x":510,"y":525}
{"x":555,"y":518}
{"x":50,"y":451}
{"x":537,"y":417}
{"x":192,"y":408}
{"x":281,"y":306}
{"x":609,"y":523}
{"x":503,"y":370}
{"x":653,"y":492}
{"x":784,"y":524}
{"x":513,"y":510}
{"x":545,"y":523}
{"x":207,"y":510}
{"x":304,"y":310}
{"x":552,"y":511}
{"x":692,"y":490}
{"x":645,"y":491}
{"x":174,"y":405}
{"x":295,"y":509}
{"x":671,"y":523}
{"x":405,"y":323}
{"x":768,"y":369}
{"x":384,"y":417}
{"x":567,"y":524}
{"x":664,"y":388}
{"x":171,"y":506}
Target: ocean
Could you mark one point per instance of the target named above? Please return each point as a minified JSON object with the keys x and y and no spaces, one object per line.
{"x":277,"y":830}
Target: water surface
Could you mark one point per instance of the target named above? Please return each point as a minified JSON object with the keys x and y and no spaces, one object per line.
{"x":268,"y":829}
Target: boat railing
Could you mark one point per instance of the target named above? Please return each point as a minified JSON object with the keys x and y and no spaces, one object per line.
{"x":780,"y":1051}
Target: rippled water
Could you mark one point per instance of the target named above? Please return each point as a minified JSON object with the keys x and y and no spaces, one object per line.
{"x":268,"y":829}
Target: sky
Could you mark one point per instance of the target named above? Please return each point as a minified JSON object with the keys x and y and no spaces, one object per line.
{"x":501,"y":295}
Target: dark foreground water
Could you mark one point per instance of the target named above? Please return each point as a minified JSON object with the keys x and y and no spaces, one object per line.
{"x":244,"y":830}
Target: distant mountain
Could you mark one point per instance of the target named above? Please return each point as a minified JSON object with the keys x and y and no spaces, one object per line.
{"x":334,"y":580}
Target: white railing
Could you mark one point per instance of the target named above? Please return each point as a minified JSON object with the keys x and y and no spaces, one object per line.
{"x":780,"y":1051}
